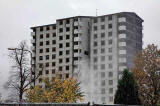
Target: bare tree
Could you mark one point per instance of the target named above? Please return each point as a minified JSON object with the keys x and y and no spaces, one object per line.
{"x":20,"y":76}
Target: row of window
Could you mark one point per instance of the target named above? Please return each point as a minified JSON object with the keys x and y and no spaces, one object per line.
{"x":103,"y":99}
{"x":95,"y":36}
{"x":60,"y":68}
{"x":58,"y":75}
{"x":102,"y":27}
{"x":48,"y":28}
{"x":102,"y":19}
{"x":110,"y":58}
{"x":103,"y":42}
{"x":103,"y":91}
{"x":95,"y":51}
{"x":103,"y":66}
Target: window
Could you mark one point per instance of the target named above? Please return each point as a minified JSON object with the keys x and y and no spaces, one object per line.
{"x":47,"y":57}
{"x":60,"y":53}
{"x":53,"y":63}
{"x":47,"y":49}
{"x":40,"y":57}
{"x":102,"y":35}
{"x":60,"y":60}
{"x":67,"y":52}
{"x":67,"y":75}
{"x":67,"y":67}
{"x":102,"y":74}
{"x":102,"y":19}
{"x":102,"y":58}
{"x":41,"y":43}
{"x":110,"y":82}
{"x":53,"y":71}
{"x":60,"y":30}
{"x":103,"y":83}
{"x":47,"y":71}
{"x":47,"y":42}
{"x":41,"y":36}
{"x":95,"y":28}
{"x":102,"y":26}
{"x":53,"y":56}
{"x":110,"y":74}
{"x":40,"y":80}
{"x":47,"y":64}
{"x":67,"y":21}
{"x":95,"y":20}
{"x":54,"y":27}
{"x":54,"y":35}
{"x":95,"y":67}
{"x":102,"y":43}
{"x":86,"y":52}
{"x":95,"y":59}
{"x":47,"y":28}
{"x":95,"y":36}
{"x":40,"y":65}
{"x":67,"y":44}
{"x":109,"y":57}
{"x":41,"y":28}
{"x":111,"y":99}
{"x":60,"y":45}
{"x":109,"y":50}
{"x":110,"y":17}
{"x":40,"y":72}
{"x":102,"y":91}
{"x":47,"y":35}
{"x":95,"y":44}
{"x":40,"y":50}
{"x":67,"y":29}
{"x":102,"y":66}
{"x":60,"y":37}
{"x":110,"y":90}
{"x":95,"y":51}
{"x":59,"y":76}
{"x":110,"y":41}
{"x":60,"y":68}
{"x":53,"y":42}
{"x":109,"y":25}
{"x":67,"y":37}
{"x":67,"y":60}
{"x":61,"y":22}
{"x":110,"y":66}
{"x":53,"y":49}
{"x":103,"y":50}
{"x":109,"y":34}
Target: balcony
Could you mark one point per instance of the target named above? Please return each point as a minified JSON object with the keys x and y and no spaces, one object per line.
{"x":77,"y":39}
{"x":76,"y":46}
{"x":123,"y":19}
{"x":32,"y":41}
{"x":121,"y":36}
{"x":76,"y":54}
{"x":33,"y":34}
{"x":76,"y":31}
{"x":122,"y":27}
{"x":76,"y":62}
{"x":78,"y":23}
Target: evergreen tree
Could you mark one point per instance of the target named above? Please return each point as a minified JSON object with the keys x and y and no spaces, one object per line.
{"x":127,"y":90}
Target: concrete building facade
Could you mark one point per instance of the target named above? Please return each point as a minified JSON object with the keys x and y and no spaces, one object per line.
{"x":96,"y":49}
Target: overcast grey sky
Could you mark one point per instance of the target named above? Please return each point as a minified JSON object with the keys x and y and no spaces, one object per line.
{"x":17,"y":16}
